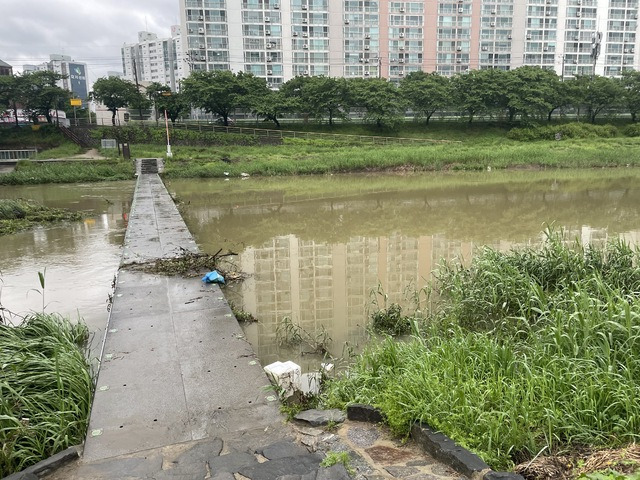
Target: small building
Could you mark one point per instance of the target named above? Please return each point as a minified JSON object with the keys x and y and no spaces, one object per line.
{"x":5,"y":68}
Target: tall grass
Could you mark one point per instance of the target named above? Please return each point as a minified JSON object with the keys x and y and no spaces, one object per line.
{"x":45,"y":389}
{"x":30,"y":173}
{"x":529,"y":351}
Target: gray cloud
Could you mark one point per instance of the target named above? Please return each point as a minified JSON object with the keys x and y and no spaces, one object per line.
{"x":90,"y":31}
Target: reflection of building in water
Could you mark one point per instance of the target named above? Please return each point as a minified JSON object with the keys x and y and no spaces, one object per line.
{"x":330,"y":285}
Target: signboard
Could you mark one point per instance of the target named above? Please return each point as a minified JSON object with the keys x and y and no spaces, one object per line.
{"x":78,"y":78}
{"x":76,"y":102}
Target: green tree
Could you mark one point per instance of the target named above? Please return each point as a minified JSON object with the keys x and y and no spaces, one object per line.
{"x":12,"y":93}
{"x":273,"y":104}
{"x":326,"y":97}
{"x":114,"y":93}
{"x":379,"y":99}
{"x":153,"y":91}
{"x":426,"y":93}
{"x":532,"y":92}
{"x":174,"y":103}
{"x":219,"y":92}
{"x":42,"y":94}
{"x":631,"y":96}
{"x":598,"y":93}
{"x":474,"y":92}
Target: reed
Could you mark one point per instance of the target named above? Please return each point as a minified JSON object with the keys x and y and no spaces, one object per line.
{"x":46,"y":388}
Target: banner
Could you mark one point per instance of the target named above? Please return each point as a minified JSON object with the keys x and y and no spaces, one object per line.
{"x":78,"y":78}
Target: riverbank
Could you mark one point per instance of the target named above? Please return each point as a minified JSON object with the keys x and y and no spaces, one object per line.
{"x":526,"y":353}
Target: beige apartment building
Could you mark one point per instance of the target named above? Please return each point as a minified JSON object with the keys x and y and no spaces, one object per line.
{"x":280,"y":39}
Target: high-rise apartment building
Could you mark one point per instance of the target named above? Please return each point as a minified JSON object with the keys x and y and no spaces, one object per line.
{"x":279,"y":39}
{"x":75,"y":73}
{"x":155,"y":59}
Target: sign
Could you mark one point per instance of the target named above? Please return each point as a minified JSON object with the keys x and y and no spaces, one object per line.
{"x":78,"y":78}
{"x":76,"y":102}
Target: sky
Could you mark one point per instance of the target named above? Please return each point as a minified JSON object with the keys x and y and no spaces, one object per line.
{"x":90,"y":31}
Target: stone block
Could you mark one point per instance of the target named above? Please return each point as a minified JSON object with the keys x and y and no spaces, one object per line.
{"x":442,"y":448}
{"x":364,"y":413}
{"x":317,"y":418}
{"x":502,"y":476}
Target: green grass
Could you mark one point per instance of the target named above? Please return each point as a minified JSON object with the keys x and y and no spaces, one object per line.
{"x":30,"y":173}
{"x":45,"y":389}
{"x":316,"y":157}
{"x":531,"y":350}
{"x":20,"y":214}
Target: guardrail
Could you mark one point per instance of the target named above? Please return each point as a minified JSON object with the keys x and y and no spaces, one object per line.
{"x":18,"y":154}
{"x":262,"y":132}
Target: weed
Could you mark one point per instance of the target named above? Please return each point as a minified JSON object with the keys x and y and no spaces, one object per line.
{"x":334,"y":458}
{"x":289,"y":333}
{"x":16,"y":215}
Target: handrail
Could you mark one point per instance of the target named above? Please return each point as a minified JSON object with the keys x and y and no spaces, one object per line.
{"x":22,"y":154}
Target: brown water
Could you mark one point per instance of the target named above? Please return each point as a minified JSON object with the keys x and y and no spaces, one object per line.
{"x":315,"y":247}
{"x":80,"y":258}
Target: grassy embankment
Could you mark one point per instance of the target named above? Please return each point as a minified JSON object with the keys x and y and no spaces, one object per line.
{"x":534,"y":351}
{"x":16,"y":215}
{"x":471,"y":147}
{"x":46,"y":388}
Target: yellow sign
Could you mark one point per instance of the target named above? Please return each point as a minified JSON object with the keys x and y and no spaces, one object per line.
{"x":76,"y":102}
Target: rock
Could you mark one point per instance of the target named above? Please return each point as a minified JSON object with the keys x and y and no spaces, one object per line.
{"x":363,"y":437}
{"x":282,"y":449}
{"x":299,"y":465}
{"x":231,"y":463}
{"x":503,"y":476}
{"x":317,"y":418}
{"x":334,"y":472}
{"x":401,"y":471}
{"x":364,"y":413}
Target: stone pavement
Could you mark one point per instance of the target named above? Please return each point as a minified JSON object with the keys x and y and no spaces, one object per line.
{"x":292,"y":452}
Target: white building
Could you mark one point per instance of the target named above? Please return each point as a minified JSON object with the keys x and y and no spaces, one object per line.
{"x":279,"y":39}
{"x":75,"y":72}
{"x":155,"y":59}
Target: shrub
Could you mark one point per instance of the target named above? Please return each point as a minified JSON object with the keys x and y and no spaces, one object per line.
{"x":567,"y":130}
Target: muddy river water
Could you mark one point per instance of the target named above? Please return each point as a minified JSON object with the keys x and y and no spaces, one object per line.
{"x":314,"y":248}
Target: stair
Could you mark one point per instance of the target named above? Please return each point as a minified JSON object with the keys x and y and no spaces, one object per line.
{"x":148,"y":165}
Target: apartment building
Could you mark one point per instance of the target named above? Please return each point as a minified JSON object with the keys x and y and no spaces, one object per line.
{"x":75,"y":73}
{"x":279,"y":39}
{"x":154,"y":59}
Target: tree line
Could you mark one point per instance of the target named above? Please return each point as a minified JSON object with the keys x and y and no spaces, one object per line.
{"x":527,"y":94}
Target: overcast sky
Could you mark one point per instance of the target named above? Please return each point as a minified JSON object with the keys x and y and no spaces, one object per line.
{"x":90,"y":31}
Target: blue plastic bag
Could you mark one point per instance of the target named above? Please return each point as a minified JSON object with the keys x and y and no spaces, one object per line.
{"x":213,"y":277}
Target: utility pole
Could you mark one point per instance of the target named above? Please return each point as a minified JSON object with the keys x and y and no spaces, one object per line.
{"x":595,"y":50}
{"x":379,"y":67}
{"x":135,"y":75}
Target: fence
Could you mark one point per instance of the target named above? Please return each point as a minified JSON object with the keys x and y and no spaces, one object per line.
{"x":261,"y":132}
{"x":18,"y":154}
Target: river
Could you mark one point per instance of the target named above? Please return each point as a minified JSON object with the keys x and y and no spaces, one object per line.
{"x":314,"y":248}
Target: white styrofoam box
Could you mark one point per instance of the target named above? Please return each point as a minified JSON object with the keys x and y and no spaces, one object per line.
{"x":285,"y":375}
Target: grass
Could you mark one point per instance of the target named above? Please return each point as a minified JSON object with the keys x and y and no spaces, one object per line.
{"x":30,"y":173}
{"x":529,"y":351}
{"x":16,"y":215}
{"x":46,"y":388}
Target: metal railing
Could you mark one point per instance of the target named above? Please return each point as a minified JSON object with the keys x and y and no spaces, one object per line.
{"x":18,"y":154}
{"x":280,"y":134}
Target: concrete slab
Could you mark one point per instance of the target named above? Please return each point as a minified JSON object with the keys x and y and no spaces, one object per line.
{"x":175,"y":367}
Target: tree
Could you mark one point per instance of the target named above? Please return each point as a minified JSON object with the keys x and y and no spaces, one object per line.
{"x":273,"y":104}
{"x":475,"y":92}
{"x":174,"y":103}
{"x":154,"y":90}
{"x":597,"y":93}
{"x":326,"y":97}
{"x":12,"y":93}
{"x":426,"y":93}
{"x":219,"y":92}
{"x":42,"y":94}
{"x":379,"y":99}
{"x":532,"y":92}
{"x":114,"y":93}
{"x":631,"y":96}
